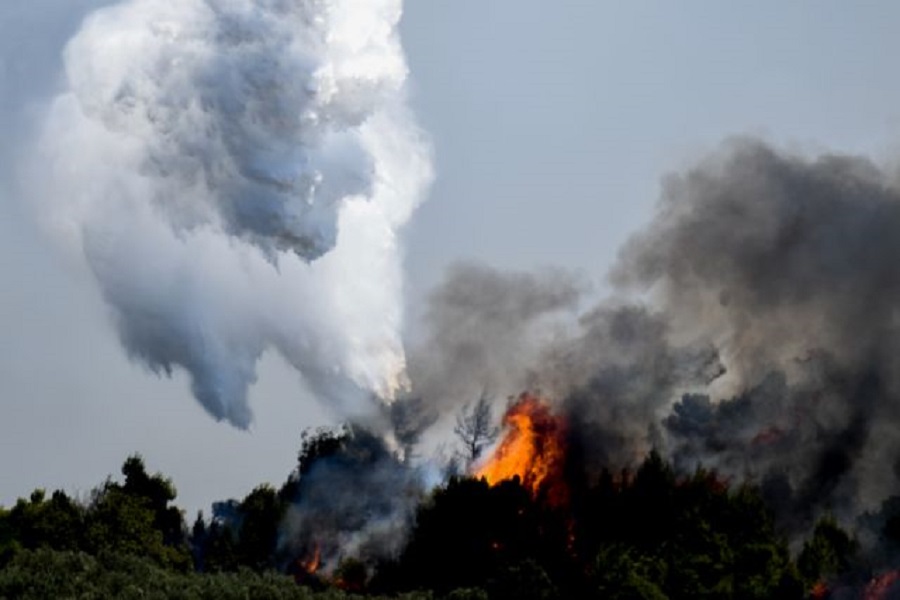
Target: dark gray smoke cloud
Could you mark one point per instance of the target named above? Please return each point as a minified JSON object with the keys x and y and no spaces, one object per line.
{"x":486,"y":330}
{"x":788,"y":266}
{"x":763,"y":340}
{"x":618,"y":376}
{"x":353,"y":498}
{"x":774,"y":256}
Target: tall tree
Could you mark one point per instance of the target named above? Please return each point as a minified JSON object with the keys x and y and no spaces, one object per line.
{"x":158,"y":491}
{"x":257,"y":541}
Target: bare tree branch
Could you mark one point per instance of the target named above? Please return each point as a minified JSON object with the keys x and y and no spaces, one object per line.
{"x":475,"y":429}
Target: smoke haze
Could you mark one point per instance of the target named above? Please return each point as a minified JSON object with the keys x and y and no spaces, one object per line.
{"x":485,"y":329}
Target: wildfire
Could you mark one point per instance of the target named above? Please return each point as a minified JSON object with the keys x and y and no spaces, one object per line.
{"x":533,"y":449}
{"x":312,"y":563}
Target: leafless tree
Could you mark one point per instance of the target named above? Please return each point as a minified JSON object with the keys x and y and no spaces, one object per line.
{"x":475,"y":429}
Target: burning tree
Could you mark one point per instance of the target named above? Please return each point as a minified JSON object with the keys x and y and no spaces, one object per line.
{"x":532,"y":450}
{"x":351,"y":496}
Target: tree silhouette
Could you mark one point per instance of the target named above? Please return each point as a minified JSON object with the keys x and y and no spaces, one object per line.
{"x":475,"y":429}
{"x":828,"y":553}
{"x":257,"y":542}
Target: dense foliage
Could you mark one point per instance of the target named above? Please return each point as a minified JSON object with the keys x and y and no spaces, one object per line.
{"x":41,"y":574}
{"x":646,"y":534}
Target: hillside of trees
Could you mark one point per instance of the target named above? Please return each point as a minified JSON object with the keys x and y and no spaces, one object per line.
{"x":630,"y":535}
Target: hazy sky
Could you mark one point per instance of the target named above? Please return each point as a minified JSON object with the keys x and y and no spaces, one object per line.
{"x":552,"y":126}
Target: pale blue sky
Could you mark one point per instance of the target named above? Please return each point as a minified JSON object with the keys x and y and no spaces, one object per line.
{"x":552,"y":125}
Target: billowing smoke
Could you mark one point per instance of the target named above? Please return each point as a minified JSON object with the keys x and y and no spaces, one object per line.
{"x":486,"y":329}
{"x":352,"y":496}
{"x":787,"y":266}
{"x":235,"y":173}
{"x":755,"y":331}
{"x":752,"y":331}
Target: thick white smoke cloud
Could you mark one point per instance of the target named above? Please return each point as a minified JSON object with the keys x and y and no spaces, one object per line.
{"x":235,"y":173}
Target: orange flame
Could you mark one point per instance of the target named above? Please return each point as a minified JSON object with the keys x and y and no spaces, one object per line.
{"x":311,"y":564}
{"x":533,"y":449}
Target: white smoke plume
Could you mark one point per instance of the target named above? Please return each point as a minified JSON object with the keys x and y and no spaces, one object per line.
{"x":235,"y":173}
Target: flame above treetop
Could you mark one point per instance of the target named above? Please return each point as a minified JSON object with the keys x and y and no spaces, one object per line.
{"x":532,"y":449}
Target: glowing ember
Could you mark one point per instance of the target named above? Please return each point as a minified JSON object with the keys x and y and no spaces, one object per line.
{"x":533,"y":450}
{"x":882,"y":587}
{"x":768,"y":436}
{"x":819,"y":591}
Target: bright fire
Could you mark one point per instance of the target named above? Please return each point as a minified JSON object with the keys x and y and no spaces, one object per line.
{"x":533,"y":449}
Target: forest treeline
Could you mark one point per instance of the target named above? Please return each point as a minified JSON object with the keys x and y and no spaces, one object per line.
{"x":630,"y":535}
